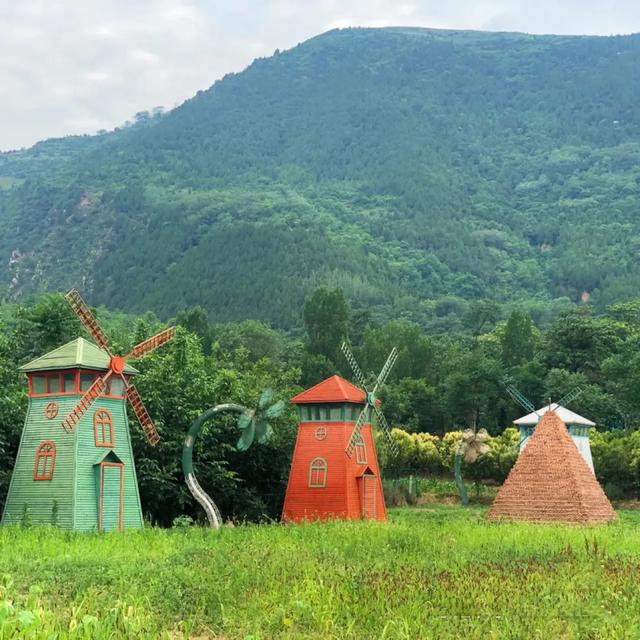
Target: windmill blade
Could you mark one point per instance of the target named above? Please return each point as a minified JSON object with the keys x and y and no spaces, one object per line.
{"x":143,"y":415}
{"x":266,"y":397}
{"x":355,"y":434}
{"x":274,"y":410}
{"x":151,"y":344}
{"x":382,"y":422}
{"x":247,"y":436}
{"x":386,"y":370}
{"x":519,"y":398}
{"x":87,"y":318}
{"x":245,"y":419}
{"x":97,"y":389}
{"x":264,"y":431}
{"x":570,"y":397}
{"x":357,"y":372}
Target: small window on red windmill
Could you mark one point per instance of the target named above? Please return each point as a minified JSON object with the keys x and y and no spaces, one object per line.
{"x":103,"y":428}
{"x":318,"y":473}
{"x":45,"y":460}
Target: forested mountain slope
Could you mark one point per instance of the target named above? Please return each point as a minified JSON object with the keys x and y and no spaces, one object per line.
{"x":416,"y":169}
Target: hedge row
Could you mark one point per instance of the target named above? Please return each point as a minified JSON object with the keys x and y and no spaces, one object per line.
{"x":616,"y":458}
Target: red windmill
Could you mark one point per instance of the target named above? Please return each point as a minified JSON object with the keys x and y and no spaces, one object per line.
{"x":335,"y":418}
{"x":116,"y":368}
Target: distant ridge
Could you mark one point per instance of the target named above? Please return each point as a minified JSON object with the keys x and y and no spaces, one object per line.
{"x":418,"y":174}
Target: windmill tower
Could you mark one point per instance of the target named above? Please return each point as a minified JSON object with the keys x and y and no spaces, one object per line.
{"x":79,"y":473}
{"x":577,"y":426}
{"x":335,"y":471}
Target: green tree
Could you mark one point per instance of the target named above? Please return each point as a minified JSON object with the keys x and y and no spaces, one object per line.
{"x":326,"y":320}
{"x":517,"y":340}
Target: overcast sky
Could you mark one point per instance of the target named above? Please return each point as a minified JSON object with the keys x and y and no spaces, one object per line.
{"x":77,"y":66}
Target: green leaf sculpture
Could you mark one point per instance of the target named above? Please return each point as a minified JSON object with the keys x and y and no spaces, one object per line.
{"x":254,"y":424}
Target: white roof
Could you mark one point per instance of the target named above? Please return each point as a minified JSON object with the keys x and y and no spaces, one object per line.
{"x":568,"y":417}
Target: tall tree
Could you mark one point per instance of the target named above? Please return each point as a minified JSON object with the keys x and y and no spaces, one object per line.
{"x":326,"y":320}
{"x":518,"y":339}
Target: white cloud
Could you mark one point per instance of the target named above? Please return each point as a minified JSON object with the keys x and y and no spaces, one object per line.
{"x":74,"y":67}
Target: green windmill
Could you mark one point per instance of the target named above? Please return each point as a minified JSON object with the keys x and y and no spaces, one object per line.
{"x":253,"y":424}
{"x":79,"y":473}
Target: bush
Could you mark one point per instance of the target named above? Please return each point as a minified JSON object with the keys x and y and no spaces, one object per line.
{"x":616,"y":458}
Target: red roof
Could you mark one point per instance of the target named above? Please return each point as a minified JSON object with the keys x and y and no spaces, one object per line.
{"x":333,"y":389}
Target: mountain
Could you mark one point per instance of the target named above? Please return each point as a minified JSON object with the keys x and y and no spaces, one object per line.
{"x":417,"y":169}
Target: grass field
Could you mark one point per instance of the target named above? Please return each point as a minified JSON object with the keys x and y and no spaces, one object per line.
{"x":431,"y":572}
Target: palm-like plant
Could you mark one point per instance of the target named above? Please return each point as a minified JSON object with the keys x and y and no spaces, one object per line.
{"x":253,"y":423}
{"x":473,"y":445}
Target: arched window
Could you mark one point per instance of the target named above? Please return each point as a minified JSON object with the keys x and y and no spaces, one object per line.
{"x":45,"y":459}
{"x":103,"y":428}
{"x":361,"y":450}
{"x":318,"y":473}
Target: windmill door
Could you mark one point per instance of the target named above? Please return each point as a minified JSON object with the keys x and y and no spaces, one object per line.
{"x":110,"y":506}
{"x":368,"y":486}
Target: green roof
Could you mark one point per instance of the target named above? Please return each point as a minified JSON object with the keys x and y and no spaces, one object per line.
{"x":77,"y":354}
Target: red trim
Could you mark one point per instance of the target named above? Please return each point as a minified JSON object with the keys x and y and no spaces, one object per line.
{"x":60,"y":375}
{"x":102,"y":466}
{"x":47,"y":453}
{"x":99,"y":428}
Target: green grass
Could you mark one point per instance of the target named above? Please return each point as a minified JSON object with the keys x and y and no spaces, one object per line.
{"x":431,"y":572}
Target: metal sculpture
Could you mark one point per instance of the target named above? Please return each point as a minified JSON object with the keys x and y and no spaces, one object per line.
{"x":253,"y":424}
{"x":371,"y":404}
{"x":116,"y":368}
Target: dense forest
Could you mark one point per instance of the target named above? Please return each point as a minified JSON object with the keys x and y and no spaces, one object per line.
{"x":422,"y":172}
{"x":440,"y":384}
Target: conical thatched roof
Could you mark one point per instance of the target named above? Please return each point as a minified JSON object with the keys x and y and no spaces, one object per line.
{"x":550,"y":482}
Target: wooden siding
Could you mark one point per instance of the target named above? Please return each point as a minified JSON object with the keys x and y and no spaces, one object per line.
{"x":340,"y":498}
{"x":87,"y":457}
{"x":39,"y":495}
{"x":73,"y":487}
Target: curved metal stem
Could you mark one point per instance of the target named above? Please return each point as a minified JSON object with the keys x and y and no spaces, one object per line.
{"x":457,"y":474}
{"x":209,"y":506}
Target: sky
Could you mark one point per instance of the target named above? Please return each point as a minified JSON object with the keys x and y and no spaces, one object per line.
{"x":74,"y":67}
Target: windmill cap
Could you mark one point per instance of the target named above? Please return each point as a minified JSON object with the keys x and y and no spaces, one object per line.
{"x":567,"y":416}
{"x":77,"y":354}
{"x":333,"y":389}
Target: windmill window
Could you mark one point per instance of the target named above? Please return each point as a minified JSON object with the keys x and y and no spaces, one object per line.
{"x":116,"y":387}
{"x":86,"y":380}
{"x":335,"y":413}
{"x":45,"y":460}
{"x":361,"y":450}
{"x":318,"y":473}
{"x":317,"y":413}
{"x":69,"y":381}
{"x":355,"y":412}
{"x":53,"y":383}
{"x":39,"y":384}
{"x":103,"y":428}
